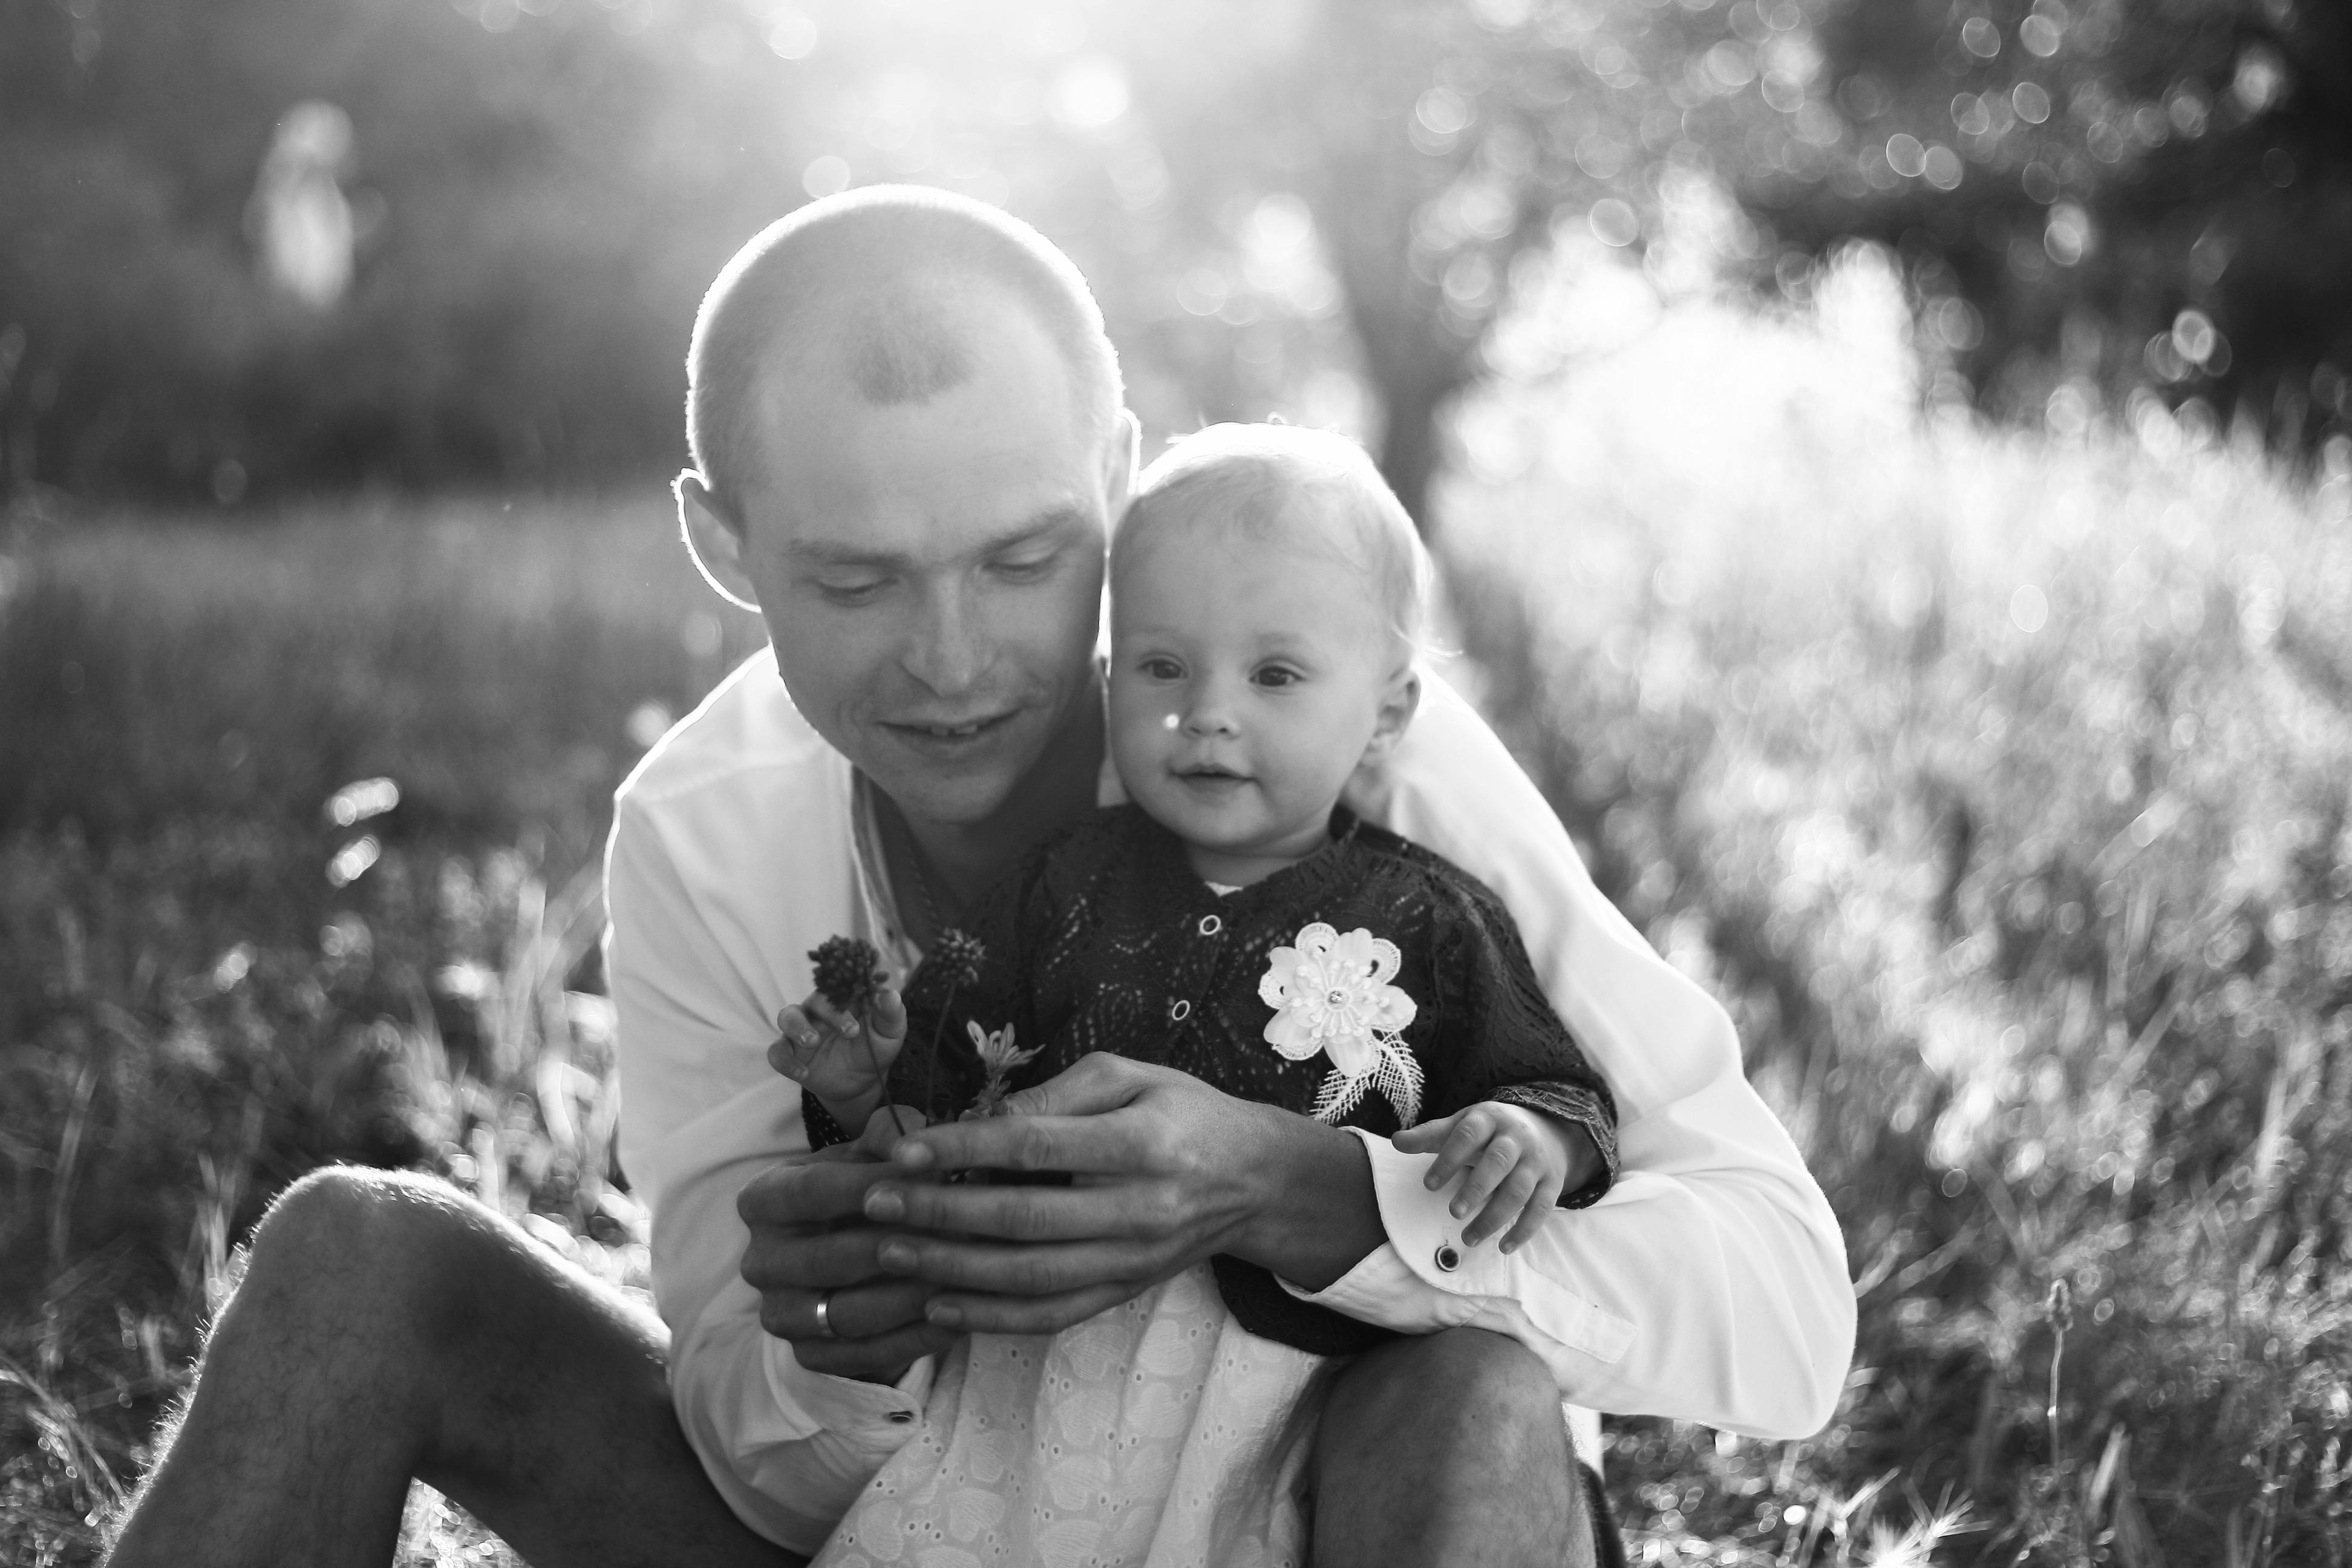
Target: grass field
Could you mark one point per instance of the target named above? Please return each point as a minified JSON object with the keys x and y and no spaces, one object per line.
{"x":1998,"y":783}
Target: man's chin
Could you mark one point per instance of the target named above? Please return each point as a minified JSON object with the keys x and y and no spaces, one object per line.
{"x":957,"y":797}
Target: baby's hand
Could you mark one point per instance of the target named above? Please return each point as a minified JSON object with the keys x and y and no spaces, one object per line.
{"x":1519,"y":1156}
{"x":828,"y":1053}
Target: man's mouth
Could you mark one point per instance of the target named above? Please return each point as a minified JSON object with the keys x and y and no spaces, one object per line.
{"x":946,"y":734}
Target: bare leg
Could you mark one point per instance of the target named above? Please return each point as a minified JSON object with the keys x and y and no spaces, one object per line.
{"x":388,"y":1328}
{"x":1470,"y":1423}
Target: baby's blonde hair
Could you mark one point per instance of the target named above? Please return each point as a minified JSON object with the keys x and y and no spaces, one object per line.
{"x":1255,"y":477}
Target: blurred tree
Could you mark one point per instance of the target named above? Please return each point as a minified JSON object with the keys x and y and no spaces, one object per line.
{"x":1320,"y":206}
{"x":2092,"y":195}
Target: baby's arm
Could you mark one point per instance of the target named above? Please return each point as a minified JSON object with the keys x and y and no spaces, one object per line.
{"x":831,"y":1055}
{"x":1519,"y":1162}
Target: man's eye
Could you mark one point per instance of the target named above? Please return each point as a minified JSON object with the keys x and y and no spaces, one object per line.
{"x":1027,"y":569}
{"x":850,"y":591}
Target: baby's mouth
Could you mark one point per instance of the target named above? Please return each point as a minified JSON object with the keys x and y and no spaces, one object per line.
{"x":1211,"y":773}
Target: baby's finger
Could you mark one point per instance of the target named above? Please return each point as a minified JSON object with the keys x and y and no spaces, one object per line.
{"x":827,"y":1017}
{"x":1472,"y":1131}
{"x":1530,"y":1223}
{"x":1501,"y":1156}
{"x":1425,"y":1137}
{"x":1506,"y":1206}
{"x":886,"y":1019}
{"x":795,"y":1045}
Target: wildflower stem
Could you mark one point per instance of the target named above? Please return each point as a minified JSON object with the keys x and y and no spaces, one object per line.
{"x":931,"y":1062}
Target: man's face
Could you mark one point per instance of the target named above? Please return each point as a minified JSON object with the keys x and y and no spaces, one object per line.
{"x":931,"y":573}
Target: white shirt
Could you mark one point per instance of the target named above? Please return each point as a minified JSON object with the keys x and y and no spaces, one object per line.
{"x":1709,"y":1284}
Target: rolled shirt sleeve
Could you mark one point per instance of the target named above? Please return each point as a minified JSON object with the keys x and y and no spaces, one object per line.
{"x":1710,"y":1283}
{"x":727,"y":861}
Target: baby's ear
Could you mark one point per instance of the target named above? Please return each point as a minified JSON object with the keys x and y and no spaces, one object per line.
{"x":1399,"y":702}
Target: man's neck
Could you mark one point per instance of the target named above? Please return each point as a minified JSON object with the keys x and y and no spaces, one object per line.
{"x":961,"y":859}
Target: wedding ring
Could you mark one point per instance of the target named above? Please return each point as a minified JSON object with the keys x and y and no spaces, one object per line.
{"x":824,"y":1321}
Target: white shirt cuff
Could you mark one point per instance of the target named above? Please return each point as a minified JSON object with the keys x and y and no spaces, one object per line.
{"x":863,"y":1412}
{"x":1425,"y":1279}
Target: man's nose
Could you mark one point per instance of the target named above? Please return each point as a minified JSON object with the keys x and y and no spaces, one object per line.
{"x":948,"y":650}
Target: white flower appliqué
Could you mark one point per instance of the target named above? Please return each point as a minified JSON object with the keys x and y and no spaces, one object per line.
{"x":1331,"y":994}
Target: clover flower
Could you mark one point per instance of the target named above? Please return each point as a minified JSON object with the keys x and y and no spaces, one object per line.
{"x":957,"y":957}
{"x":848,"y":971}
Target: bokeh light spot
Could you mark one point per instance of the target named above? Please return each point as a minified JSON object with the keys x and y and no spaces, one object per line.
{"x":2029,"y":608}
{"x":792,"y":36}
{"x":1614,"y":222}
{"x":1090,"y":93}
{"x":825,"y":177}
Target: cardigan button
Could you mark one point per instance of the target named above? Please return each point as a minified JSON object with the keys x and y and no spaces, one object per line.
{"x":900,"y":1418}
{"x":1211,"y":925}
{"x":1448,"y":1260}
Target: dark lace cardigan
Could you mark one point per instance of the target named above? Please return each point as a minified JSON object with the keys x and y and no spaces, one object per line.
{"x":1106,"y":940}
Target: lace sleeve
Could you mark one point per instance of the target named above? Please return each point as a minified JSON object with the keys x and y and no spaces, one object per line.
{"x":1504,"y":1041}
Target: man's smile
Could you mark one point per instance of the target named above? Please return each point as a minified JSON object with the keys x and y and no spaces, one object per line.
{"x":939,"y":735}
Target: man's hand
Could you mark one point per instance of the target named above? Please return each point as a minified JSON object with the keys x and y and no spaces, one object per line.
{"x":1167,"y":1172}
{"x":809,"y":1244}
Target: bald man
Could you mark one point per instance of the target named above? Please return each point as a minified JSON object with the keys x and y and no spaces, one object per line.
{"x":909,"y":446}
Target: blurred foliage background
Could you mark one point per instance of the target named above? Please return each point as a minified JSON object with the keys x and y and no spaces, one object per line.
{"x":1316,"y":205}
{"x":1892,"y":464}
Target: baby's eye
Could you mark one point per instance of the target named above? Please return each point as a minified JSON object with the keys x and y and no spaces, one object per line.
{"x":1275,"y":676}
{"x":1158,"y":667}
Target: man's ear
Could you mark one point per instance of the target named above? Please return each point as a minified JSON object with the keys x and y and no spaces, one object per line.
{"x":1397,"y":705}
{"x":1122,"y":459}
{"x":715,"y":541}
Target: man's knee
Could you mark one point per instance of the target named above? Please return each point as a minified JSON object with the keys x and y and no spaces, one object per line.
{"x":373,"y":1253}
{"x":1476,"y":1418}
{"x":1484,"y":1386}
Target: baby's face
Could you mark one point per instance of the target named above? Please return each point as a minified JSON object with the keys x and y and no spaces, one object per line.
{"x":1247,"y":679}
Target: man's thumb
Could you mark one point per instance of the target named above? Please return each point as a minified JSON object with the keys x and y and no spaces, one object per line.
{"x":1094,"y":1085}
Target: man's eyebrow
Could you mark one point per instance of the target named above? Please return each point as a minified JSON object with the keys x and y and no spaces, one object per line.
{"x":1054,"y":520}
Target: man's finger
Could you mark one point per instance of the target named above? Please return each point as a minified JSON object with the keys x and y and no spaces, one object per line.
{"x":1117,"y":1140}
{"x":883,"y":1356}
{"x":1092,"y":1085}
{"x":860,"y":1311}
{"x":823,"y":1189}
{"x":1014,"y":1214}
{"x":1041,"y":1271}
{"x":776,"y":1261}
{"x":1033,"y":1314}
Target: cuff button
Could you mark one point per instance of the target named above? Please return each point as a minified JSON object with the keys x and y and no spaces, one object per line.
{"x":900,"y":1418}
{"x":1448,"y":1259}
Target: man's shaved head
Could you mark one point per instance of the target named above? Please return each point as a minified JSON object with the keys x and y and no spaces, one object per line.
{"x":878,"y":289}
